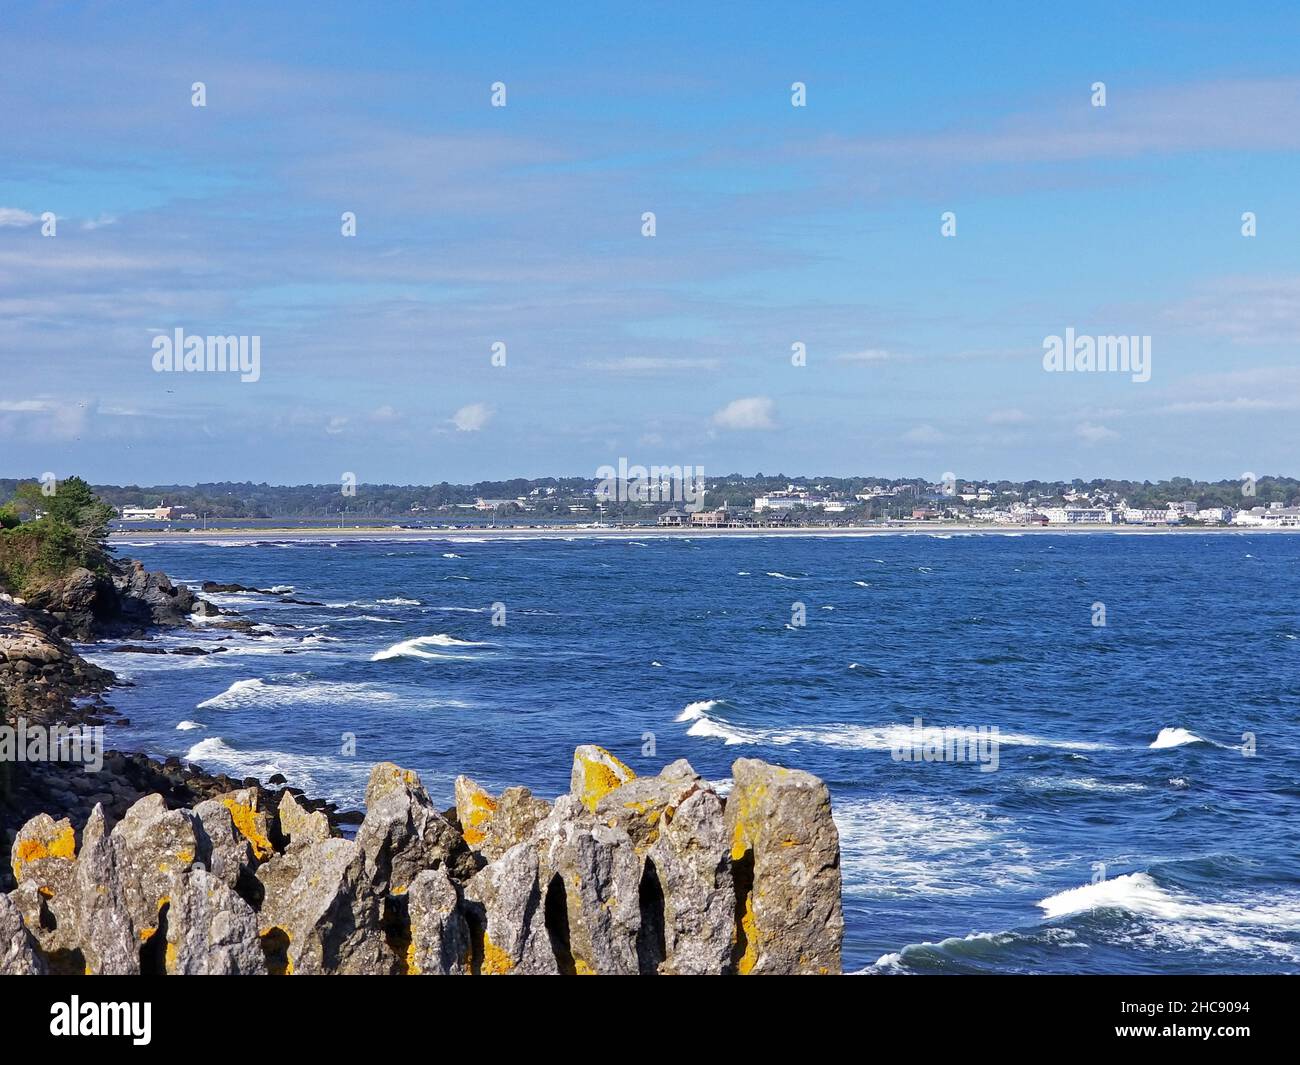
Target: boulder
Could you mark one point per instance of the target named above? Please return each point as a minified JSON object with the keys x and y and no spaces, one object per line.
{"x":591,"y":875}
{"x":785,"y":854}
{"x":18,"y":954}
{"x":638,"y":805}
{"x":491,"y":826}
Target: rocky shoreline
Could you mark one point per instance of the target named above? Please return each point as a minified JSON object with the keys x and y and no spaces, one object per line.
{"x":160,"y":868}
{"x":45,"y":683}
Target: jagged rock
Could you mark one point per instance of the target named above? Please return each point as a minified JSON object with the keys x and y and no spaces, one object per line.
{"x":688,"y":895}
{"x":222,"y":848}
{"x":151,"y":844}
{"x":638,"y":805}
{"x":251,"y":820}
{"x":18,"y":954}
{"x":503,"y":904}
{"x":492,"y":826}
{"x":785,"y":852}
{"x":107,"y":940}
{"x":439,"y":935}
{"x":321,"y":909}
{"x":298,"y":826}
{"x":44,"y":867}
{"x":42,"y":840}
{"x":403,"y":833}
{"x":79,"y":602}
{"x":150,"y":598}
{"x":210,"y":930}
{"x":592,"y":874}
{"x":595,"y":773}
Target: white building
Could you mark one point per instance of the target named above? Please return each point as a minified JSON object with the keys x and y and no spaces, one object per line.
{"x":1078,"y":515}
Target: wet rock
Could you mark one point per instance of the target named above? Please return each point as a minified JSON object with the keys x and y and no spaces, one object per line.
{"x":785,"y":852}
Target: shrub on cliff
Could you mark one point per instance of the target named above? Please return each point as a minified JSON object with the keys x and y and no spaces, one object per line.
{"x":60,"y":533}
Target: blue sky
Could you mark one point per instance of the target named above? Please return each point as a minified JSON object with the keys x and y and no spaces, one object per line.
{"x":522,"y":224}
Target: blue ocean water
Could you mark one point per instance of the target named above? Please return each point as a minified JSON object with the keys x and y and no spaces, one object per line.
{"x":694,"y":645}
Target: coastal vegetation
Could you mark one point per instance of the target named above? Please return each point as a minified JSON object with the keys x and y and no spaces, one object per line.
{"x":45,"y":534}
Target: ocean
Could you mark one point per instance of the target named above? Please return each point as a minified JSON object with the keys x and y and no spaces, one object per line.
{"x":1141,"y":817}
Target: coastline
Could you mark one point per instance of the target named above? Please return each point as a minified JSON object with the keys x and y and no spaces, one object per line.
{"x":613,"y":532}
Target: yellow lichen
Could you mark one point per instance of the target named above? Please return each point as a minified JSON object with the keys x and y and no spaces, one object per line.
{"x":412,"y":969}
{"x":185,"y":856}
{"x":170,"y":957}
{"x":147,"y":934}
{"x":581,"y":968}
{"x":245,"y":818}
{"x":63,"y":845}
{"x":600,"y":776}
{"x":496,"y":962}
{"x":749,"y":929}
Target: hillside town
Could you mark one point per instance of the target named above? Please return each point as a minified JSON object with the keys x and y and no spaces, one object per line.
{"x":741,"y":502}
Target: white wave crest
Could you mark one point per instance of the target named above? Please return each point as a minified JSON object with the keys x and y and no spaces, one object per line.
{"x":416,"y":648}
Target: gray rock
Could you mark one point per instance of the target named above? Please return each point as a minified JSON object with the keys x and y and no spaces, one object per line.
{"x":321,"y":907}
{"x":688,"y":895}
{"x":592,"y":873}
{"x":210,"y":930}
{"x":403,"y":834}
{"x":439,"y":934}
{"x":504,"y":906}
{"x":785,"y":852}
{"x":298,"y":826}
{"x":18,"y":954}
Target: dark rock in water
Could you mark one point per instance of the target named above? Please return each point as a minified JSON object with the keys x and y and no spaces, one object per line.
{"x":276,"y":778}
{"x":301,"y":602}
{"x":195,"y":650}
{"x":137,"y":649}
{"x":214,"y":587}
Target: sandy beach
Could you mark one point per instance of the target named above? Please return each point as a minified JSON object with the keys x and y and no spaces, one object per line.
{"x":571,"y":532}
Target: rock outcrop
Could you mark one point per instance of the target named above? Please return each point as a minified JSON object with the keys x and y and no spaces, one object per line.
{"x":622,"y":875}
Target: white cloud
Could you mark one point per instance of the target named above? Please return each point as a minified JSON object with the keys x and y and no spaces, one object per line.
{"x":753,"y":412}
{"x":1010,"y":416}
{"x":471,"y":418}
{"x":336,"y":425}
{"x":100,"y":222}
{"x":13,"y":216}
{"x":1094,"y":433}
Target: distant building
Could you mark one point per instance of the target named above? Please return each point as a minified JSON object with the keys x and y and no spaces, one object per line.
{"x":674,"y":517}
{"x":1078,"y":515}
{"x":148,"y":513}
{"x":924,"y":514}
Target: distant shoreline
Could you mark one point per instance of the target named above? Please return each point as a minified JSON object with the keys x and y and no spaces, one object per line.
{"x":611,"y":532}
